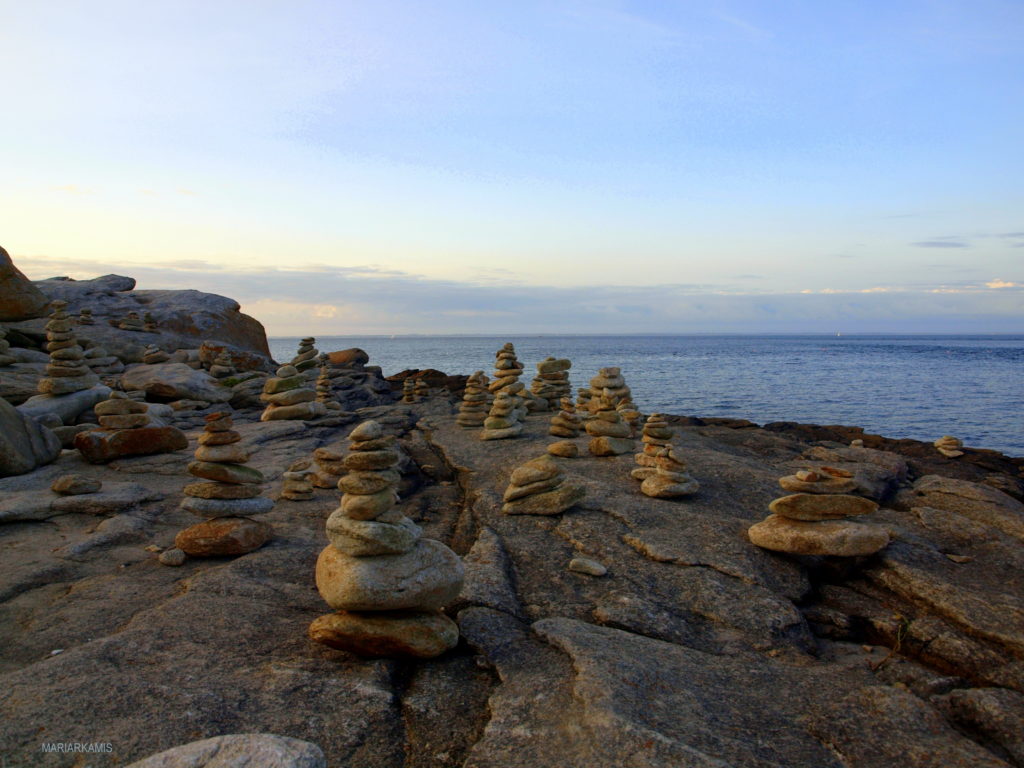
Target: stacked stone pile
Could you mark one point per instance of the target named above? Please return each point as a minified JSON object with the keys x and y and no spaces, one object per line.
{"x":813,"y":521}
{"x":67,"y":371}
{"x":288,"y":398}
{"x":538,"y":487}
{"x":502,"y":420}
{"x":507,"y":370}
{"x":101,"y":361}
{"x":611,"y":436}
{"x":149,"y":323}
{"x":949,"y":446}
{"x":153,"y":355}
{"x":227,"y":492}
{"x":126,"y":429}
{"x":629,"y":412}
{"x":552,"y":381}
{"x":473,"y":408}
{"x":306,"y":357}
{"x":132,"y":322}
{"x":85,"y":316}
{"x":421,"y":389}
{"x":566,"y":423}
{"x":386,"y":583}
{"x":324,"y":386}
{"x":656,"y":435}
{"x":584,"y":397}
{"x":330,"y":467}
{"x":409,"y":391}
{"x":223,"y":366}
{"x":5,"y":348}
{"x":609,"y":383}
{"x":297,"y":482}
{"x":661,"y":469}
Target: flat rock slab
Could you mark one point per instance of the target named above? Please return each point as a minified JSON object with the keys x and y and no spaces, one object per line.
{"x":839,"y":538}
{"x":246,"y":750}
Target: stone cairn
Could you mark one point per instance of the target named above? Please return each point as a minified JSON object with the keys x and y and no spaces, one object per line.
{"x":154,"y":355}
{"x":5,"y":348}
{"x":287,"y":398}
{"x":223,"y":365}
{"x":610,"y":383}
{"x":67,"y":370}
{"x":126,"y":429}
{"x":629,"y":412}
{"x":306,"y":357}
{"x":227,"y":492}
{"x":386,"y":583}
{"x":662,"y":471}
{"x":330,"y":467}
{"x":566,"y":423}
{"x":813,"y":520}
{"x":296,"y":482}
{"x":508,"y":409}
{"x":538,"y":488}
{"x":149,"y":323}
{"x":422,"y":390}
{"x":473,"y":408}
{"x":611,"y":436}
{"x":552,"y":381}
{"x":85,"y":316}
{"x":132,"y":323}
{"x":949,"y":446}
{"x":101,"y":361}
{"x":121,"y":412}
{"x":583,"y":398}
{"x":324,"y":386}
{"x":409,"y":391}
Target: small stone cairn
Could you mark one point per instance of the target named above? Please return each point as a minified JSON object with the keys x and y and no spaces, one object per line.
{"x":330,"y":467}
{"x":949,"y":446}
{"x":583,"y":399}
{"x":566,"y":423}
{"x":126,"y":429}
{"x":324,"y":387}
{"x":153,"y":355}
{"x":552,"y":381}
{"x":386,"y":583}
{"x":609,"y":383}
{"x":67,"y":371}
{"x":813,"y":521}
{"x":502,"y":420}
{"x":421,"y":389}
{"x":227,"y":492}
{"x":223,"y":365}
{"x":538,"y":488}
{"x":409,"y":391}
{"x":287,"y":398}
{"x":149,"y":323}
{"x":85,"y":316}
{"x":306,"y":357}
{"x":5,"y":348}
{"x":662,"y":471}
{"x":611,"y":436}
{"x":132,"y":322}
{"x":473,"y":408}
{"x":296,"y":484}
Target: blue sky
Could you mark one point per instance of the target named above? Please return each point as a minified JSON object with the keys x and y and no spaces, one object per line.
{"x":559,"y":166}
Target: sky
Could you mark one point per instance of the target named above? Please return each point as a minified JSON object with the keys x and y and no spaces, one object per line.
{"x":566,"y":166}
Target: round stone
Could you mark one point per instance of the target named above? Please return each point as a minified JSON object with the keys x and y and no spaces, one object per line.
{"x":564,"y":448}
{"x":223,"y":536}
{"x":367,"y":506}
{"x":232,"y":453}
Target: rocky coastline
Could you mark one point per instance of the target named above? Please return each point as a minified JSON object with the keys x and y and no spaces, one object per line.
{"x":552,"y":610}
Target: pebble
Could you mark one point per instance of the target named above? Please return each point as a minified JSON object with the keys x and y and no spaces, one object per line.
{"x":587,"y":566}
{"x":73,"y":485}
{"x":173,"y":557}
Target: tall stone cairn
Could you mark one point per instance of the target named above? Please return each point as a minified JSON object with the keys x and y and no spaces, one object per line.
{"x":85,"y":316}
{"x":324,"y":386}
{"x":288,"y":398}
{"x":473,"y":408}
{"x":552,"y":381}
{"x":306,"y":357}
{"x":611,"y":436}
{"x":507,"y":370}
{"x":409,"y":394}
{"x":662,"y":471}
{"x":386,"y":584}
{"x":5,"y":349}
{"x":566,"y":423}
{"x":67,"y":370}
{"x":813,"y":520}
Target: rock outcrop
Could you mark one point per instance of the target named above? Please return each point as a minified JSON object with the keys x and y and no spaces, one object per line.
{"x":19,"y":298}
{"x":24,"y":443}
{"x":949,"y":446}
{"x":165,"y":382}
{"x":296,"y":483}
{"x":324,"y":387}
{"x":67,"y":371}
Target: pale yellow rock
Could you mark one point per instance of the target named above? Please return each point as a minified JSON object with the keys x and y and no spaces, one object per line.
{"x":807,"y":506}
{"x":839,"y":538}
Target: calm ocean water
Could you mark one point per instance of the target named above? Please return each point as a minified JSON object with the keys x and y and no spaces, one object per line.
{"x":920,"y":387}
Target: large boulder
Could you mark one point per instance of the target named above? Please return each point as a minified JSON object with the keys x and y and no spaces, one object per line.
{"x":66,"y":407}
{"x":24,"y":443}
{"x":19,"y":298}
{"x":175,"y":381}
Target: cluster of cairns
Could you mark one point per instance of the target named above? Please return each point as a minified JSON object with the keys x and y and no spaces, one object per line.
{"x":566,"y":423}
{"x":386,"y":584}
{"x":610,"y":435}
{"x":551,"y":383}
{"x":813,"y":519}
{"x":5,"y":348}
{"x":538,"y":487}
{"x":662,"y":471}
{"x":508,"y":409}
{"x":126,"y":429}
{"x":153,"y":355}
{"x":324,"y":387}
{"x":414,"y":390}
{"x":132,"y":322}
{"x":67,"y":370}
{"x":288,"y":398}
{"x":306,"y":357}
{"x":475,"y":402}
{"x":297,"y":483}
{"x":223,"y":365}
{"x":227,"y":492}
{"x":85,"y":316}
{"x":949,"y":446}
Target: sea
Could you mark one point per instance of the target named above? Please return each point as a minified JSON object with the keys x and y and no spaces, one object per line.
{"x":920,"y":387}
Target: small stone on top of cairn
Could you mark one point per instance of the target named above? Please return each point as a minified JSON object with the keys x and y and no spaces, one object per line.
{"x":132,"y":322}
{"x":67,"y":370}
{"x":288,"y":398}
{"x":538,"y":487}
{"x":386,"y":583}
{"x":223,"y":365}
{"x":473,"y":408}
{"x":409,"y":391}
{"x":611,"y":435}
{"x":306,"y":357}
{"x":149,"y":323}
{"x":552,"y":381}
{"x":324,"y":386}
{"x":949,"y":446}
{"x":566,"y":423}
{"x":5,"y":347}
{"x":153,"y":354}
{"x":85,"y":316}
{"x":814,"y":522}
{"x":296,"y":483}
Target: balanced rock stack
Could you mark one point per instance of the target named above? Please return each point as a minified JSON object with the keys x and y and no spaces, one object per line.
{"x":154,"y":355}
{"x":126,"y":429}
{"x":227,"y":493}
{"x":552,"y":381}
{"x":287,"y":398}
{"x":409,"y":391}
{"x":629,"y":412}
{"x":132,"y":323}
{"x":507,"y":370}
{"x":296,"y":483}
{"x":100,"y":361}
{"x":422,"y":389}
{"x":473,"y":408}
{"x":949,"y":446}
{"x":324,"y":387}
{"x":656,"y":435}
{"x":223,"y":365}
{"x":566,"y":423}
{"x":306,"y":357}
{"x":609,"y":383}
{"x":85,"y":316}
{"x":149,"y":323}
{"x":67,"y":371}
{"x":503,"y":419}
{"x":668,"y":479}
{"x":584,"y":397}
{"x":5,"y":348}
{"x":386,"y":583}
{"x":538,"y":488}
{"x":330,"y":467}
{"x":611,"y":436}
{"x":813,"y":521}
